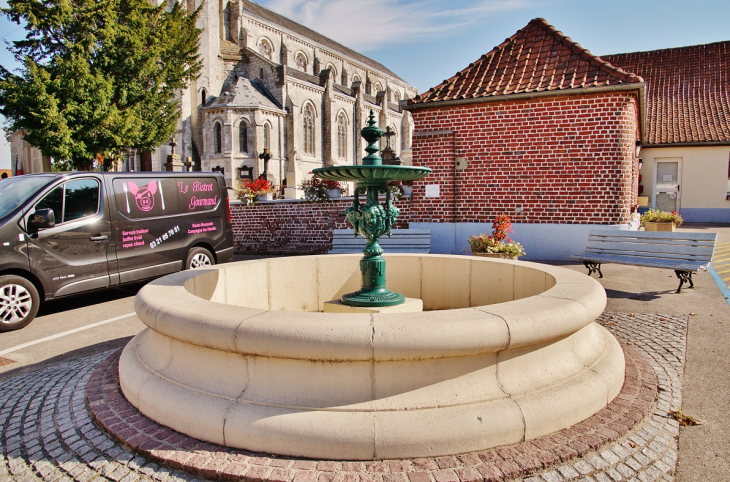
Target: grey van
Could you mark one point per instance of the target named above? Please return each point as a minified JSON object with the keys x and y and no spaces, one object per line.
{"x":67,"y":233}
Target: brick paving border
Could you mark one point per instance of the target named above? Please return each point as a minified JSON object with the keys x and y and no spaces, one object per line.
{"x":47,"y":432}
{"x":588,"y":440}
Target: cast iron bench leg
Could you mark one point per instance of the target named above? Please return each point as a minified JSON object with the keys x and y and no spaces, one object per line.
{"x":684,"y":277}
{"x":593,"y":267}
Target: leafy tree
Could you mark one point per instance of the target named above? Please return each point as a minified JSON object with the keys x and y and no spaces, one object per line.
{"x":98,"y":75}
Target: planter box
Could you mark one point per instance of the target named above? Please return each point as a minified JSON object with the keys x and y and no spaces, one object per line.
{"x":334,"y":193}
{"x":650,"y":226}
{"x":495,"y":255}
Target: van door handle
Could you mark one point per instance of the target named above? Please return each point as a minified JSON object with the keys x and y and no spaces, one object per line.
{"x":98,"y":238}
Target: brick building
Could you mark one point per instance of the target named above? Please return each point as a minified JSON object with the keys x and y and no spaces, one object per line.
{"x":687,"y":150}
{"x":539,"y":129}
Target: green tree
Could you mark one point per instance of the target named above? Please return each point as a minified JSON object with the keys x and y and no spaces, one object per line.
{"x":98,"y":75}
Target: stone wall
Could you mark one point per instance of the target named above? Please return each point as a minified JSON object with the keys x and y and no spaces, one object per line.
{"x":288,"y":227}
{"x":567,"y":160}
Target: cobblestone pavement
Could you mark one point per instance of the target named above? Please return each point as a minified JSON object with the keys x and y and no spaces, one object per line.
{"x":48,"y":433}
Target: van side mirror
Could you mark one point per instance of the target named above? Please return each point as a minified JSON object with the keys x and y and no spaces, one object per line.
{"x":42,"y":218}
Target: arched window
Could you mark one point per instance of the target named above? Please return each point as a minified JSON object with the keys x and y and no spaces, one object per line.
{"x":308,"y":129}
{"x":341,"y":136}
{"x":218,"y":130}
{"x":267,"y":136}
{"x":333,"y":70}
{"x":301,"y":61}
{"x":378,"y":88}
{"x":356,"y":78}
{"x":265,"y":48}
{"x":242,"y":138}
{"x":396,"y":96}
{"x":203,"y":95}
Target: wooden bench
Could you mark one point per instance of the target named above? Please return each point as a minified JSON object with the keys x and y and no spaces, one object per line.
{"x":684,"y":252}
{"x":401,"y":241}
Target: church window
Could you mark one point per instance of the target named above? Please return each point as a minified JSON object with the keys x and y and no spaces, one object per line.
{"x":301,"y":61}
{"x":203,"y":94}
{"x":378,"y":88}
{"x":356,"y":78}
{"x":333,"y":70}
{"x":265,"y":48}
{"x":396,"y":96}
{"x":267,"y":136}
{"x":341,"y":136}
{"x":243,"y":138}
{"x":218,"y":132}
{"x":308,"y":130}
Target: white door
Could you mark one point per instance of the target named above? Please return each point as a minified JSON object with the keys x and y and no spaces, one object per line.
{"x":668,"y":175}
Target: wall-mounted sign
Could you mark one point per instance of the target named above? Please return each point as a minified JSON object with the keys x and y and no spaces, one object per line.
{"x":433,"y":190}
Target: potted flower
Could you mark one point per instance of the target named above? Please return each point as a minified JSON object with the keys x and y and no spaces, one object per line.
{"x":321,"y":190}
{"x":250,"y":191}
{"x":497,"y":244}
{"x":655,"y":220}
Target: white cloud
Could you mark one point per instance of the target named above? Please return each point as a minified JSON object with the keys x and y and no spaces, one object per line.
{"x":377,"y":23}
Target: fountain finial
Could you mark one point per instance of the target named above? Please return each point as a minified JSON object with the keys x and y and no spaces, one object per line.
{"x":372,"y":134}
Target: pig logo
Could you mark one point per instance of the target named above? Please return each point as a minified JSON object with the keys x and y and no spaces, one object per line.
{"x":144,"y":196}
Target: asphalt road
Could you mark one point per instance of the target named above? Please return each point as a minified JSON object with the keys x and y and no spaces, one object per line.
{"x":70,"y":328}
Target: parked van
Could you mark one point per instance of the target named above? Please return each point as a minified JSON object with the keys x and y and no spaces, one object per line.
{"x":67,"y":233}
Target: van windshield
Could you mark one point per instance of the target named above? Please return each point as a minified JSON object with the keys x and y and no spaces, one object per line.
{"x":14,"y":191}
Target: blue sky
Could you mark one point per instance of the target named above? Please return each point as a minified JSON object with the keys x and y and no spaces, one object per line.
{"x":426,"y":41}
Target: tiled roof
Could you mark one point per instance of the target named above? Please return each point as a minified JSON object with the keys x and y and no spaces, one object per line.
{"x":538,"y":58}
{"x":299,"y":29}
{"x":687,"y":90}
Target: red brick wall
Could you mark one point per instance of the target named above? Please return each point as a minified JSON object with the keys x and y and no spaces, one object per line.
{"x":286,"y":227}
{"x":566,"y":159}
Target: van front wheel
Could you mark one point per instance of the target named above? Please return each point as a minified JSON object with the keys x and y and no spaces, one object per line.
{"x":198,"y":257}
{"x":19,"y":302}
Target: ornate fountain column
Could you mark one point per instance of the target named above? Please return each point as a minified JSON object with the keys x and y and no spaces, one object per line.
{"x":372,"y":219}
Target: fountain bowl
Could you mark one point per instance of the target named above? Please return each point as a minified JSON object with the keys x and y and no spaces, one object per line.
{"x":242,"y":355}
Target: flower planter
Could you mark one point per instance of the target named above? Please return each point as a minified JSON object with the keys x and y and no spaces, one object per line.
{"x":495,"y":255}
{"x":333,"y":193}
{"x":265,"y":197}
{"x":653,"y":226}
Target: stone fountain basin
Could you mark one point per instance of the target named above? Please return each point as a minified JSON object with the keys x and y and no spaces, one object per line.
{"x":240,"y":355}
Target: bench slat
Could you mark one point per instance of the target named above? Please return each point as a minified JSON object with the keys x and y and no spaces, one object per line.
{"x":636,"y":261}
{"x":668,"y":256}
{"x":655,"y":234}
{"x":650,"y":248}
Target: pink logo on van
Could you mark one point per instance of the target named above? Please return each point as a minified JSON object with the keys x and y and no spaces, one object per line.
{"x":144,"y":196}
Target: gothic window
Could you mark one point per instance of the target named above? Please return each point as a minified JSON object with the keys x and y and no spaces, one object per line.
{"x":378,"y":88}
{"x":265,"y":48}
{"x":301,"y":61}
{"x":341,"y":136}
{"x":356,"y":78}
{"x":333,"y":70}
{"x":308,"y":130}
{"x":396,"y":96}
{"x":203,"y":94}
{"x":218,"y":132}
{"x":242,"y":138}
{"x":267,"y":136}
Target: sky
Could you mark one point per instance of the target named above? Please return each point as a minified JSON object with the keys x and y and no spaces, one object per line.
{"x":427,"y":41}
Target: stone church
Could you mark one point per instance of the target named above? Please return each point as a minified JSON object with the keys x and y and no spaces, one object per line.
{"x":271,"y":83}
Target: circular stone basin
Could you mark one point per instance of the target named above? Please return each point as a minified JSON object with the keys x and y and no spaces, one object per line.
{"x":241,"y":355}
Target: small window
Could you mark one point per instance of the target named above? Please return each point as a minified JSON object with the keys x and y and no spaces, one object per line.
{"x":218,"y":131}
{"x":267,"y":136}
{"x":203,"y":95}
{"x":72,"y":200}
{"x":243,"y":138}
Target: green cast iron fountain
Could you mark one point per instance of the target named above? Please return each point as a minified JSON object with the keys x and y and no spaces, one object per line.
{"x":372,"y":219}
